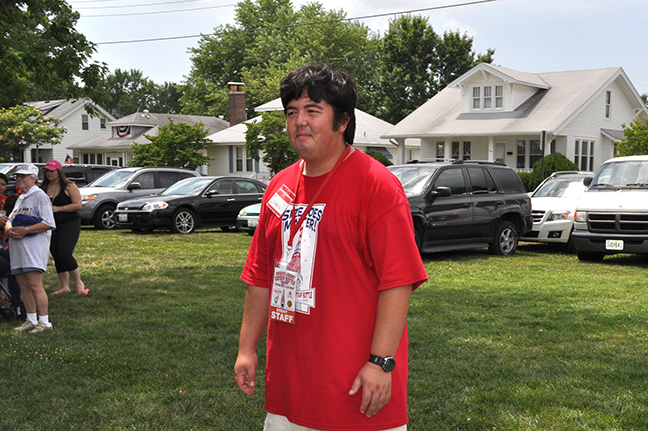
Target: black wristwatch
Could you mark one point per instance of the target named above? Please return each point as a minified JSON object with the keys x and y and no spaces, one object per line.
{"x":387,"y":363}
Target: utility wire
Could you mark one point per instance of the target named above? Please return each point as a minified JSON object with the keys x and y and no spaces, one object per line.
{"x":299,"y":25}
{"x":135,"y":5}
{"x":157,"y":12}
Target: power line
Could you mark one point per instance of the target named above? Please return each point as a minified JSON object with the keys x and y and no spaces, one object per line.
{"x":134,"y":5}
{"x":301,"y":25}
{"x":157,"y":12}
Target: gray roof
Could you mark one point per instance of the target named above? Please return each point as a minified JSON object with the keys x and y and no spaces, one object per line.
{"x":559,"y":97}
{"x":61,"y":108}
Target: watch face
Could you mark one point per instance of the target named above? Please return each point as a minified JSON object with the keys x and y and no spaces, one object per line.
{"x":389,"y":364}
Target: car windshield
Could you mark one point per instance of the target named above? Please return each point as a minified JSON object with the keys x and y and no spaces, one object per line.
{"x":5,"y":168}
{"x":561,"y":188}
{"x":115,"y":178}
{"x":626,"y":174}
{"x":188,"y":187}
{"x":414,"y":178}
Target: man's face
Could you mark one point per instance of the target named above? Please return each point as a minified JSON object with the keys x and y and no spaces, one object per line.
{"x":310,"y":128}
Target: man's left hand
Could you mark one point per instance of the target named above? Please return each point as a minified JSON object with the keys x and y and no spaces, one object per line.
{"x":376,"y":388}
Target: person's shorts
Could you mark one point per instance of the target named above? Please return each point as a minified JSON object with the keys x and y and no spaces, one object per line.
{"x":281,"y":423}
{"x":24,"y":270}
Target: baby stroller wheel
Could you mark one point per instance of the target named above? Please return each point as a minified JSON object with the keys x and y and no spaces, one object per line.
{"x":7,"y":314}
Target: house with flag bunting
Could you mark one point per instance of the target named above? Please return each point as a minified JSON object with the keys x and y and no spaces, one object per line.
{"x":115,"y":148}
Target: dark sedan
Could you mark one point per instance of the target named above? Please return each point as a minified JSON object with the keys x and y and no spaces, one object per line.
{"x":190,"y":204}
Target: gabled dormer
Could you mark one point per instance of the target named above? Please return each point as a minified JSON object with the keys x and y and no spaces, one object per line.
{"x":490,"y":89}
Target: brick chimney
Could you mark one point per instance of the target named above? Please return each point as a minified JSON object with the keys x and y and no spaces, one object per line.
{"x":237,"y":103}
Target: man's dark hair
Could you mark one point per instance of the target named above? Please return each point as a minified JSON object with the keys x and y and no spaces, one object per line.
{"x":335,"y":87}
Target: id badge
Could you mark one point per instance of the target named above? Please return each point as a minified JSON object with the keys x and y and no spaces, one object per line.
{"x":284,"y":292}
{"x":280,"y":201}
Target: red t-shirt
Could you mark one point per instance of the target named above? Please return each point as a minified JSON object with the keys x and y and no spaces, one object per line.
{"x":357,"y":240}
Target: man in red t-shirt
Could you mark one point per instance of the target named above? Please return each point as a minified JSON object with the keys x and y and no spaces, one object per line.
{"x":330,"y":272}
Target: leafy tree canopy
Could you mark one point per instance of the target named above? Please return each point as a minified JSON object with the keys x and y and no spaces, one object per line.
{"x":128,"y":91}
{"x":21,"y":126}
{"x":269,"y":136}
{"x":636,"y":138}
{"x":268,"y":40}
{"x":42,"y":55}
{"x":380,"y":157}
{"x":177,"y":145}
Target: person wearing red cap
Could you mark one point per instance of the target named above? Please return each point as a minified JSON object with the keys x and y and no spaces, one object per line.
{"x":66,"y":203}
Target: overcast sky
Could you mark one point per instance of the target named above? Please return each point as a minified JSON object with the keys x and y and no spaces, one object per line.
{"x":527,"y":35}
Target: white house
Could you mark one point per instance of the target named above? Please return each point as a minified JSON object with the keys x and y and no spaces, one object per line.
{"x":114,"y":148}
{"x":231,"y":158}
{"x":498,"y":114}
{"x":80,"y":126}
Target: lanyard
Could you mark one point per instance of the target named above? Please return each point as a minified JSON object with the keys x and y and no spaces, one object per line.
{"x":296,"y":224}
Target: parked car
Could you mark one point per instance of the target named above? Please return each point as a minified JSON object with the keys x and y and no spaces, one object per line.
{"x":190,"y":204}
{"x":553,"y":205}
{"x":248,"y":218}
{"x":9,"y":170}
{"x":82,"y":175}
{"x":612,"y":216}
{"x":100,"y":197}
{"x":466,"y":205}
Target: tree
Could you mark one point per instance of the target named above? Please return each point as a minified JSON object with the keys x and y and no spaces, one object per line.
{"x":555,"y":162}
{"x":129,"y":91}
{"x":177,"y":145}
{"x":269,"y":136}
{"x":41,"y":53}
{"x":22,"y":126}
{"x":268,"y":40}
{"x":635,"y":141}
{"x":417,"y":64}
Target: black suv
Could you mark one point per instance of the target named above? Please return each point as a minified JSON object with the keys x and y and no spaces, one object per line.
{"x":465,"y":205}
{"x":82,"y":175}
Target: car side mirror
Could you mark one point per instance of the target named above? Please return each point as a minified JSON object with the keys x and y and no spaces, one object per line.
{"x":440,"y":192}
{"x":587,"y":181}
{"x":211,"y":193}
{"x":134,"y":185}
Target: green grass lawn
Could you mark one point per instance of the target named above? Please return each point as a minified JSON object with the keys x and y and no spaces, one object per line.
{"x":537,"y":341}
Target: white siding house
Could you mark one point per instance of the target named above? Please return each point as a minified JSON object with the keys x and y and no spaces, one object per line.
{"x":80,"y":127}
{"x":231,"y":158}
{"x":498,"y":114}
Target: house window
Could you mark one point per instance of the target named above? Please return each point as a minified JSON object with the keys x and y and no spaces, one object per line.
{"x":102,"y":123}
{"x":521,"y":154}
{"x":466,"y":150}
{"x":553,"y":146}
{"x":84,"y":122}
{"x":488,"y":97}
{"x":608,"y":99}
{"x":476,"y":98}
{"x":535,"y":152}
{"x":85,"y":158}
{"x":499,"y":96}
{"x":92,"y":158}
{"x":455,"y":151}
{"x":100,"y":159}
{"x":440,"y":151}
{"x":584,"y":154}
{"x":243,"y":162}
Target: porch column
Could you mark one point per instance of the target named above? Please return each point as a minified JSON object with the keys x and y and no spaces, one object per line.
{"x":491,"y":148}
{"x":400,"y":151}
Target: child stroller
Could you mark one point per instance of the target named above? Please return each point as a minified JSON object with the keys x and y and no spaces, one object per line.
{"x":9,"y":309}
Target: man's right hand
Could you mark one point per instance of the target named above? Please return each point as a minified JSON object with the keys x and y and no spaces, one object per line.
{"x":245,"y":372}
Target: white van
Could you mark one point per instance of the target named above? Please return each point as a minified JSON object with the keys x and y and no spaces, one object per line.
{"x":612,"y":216}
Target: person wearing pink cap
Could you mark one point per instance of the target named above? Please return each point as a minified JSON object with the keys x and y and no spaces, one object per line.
{"x":66,"y":203}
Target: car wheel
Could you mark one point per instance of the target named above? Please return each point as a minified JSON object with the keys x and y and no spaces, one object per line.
{"x":590,"y":257}
{"x":104,"y":218}
{"x":184,"y":221}
{"x":505,"y":241}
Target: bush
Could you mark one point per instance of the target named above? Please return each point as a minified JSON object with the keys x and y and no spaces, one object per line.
{"x":380,"y":157}
{"x":553,"y":163}
{"x":526,"y":180}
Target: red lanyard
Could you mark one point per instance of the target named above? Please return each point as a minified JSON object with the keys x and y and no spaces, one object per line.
{"x":296,"y":225}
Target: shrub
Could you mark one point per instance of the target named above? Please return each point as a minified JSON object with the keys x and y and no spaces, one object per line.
{"x":380,"y":157}
{"x":553,"y":163}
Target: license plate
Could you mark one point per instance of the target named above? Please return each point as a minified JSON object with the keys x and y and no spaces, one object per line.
{"x":122,"y":218}
{"x":252,"y":223}
{"x":614,"y":244}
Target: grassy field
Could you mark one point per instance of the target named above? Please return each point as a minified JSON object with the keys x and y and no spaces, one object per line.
{"x":537,"y":341}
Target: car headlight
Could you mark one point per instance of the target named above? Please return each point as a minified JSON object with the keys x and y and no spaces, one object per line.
{"x":152,"y":206}
{"x":581,"y":216}
{"x":242,"y":213}
{"x":560,"y":215}
{"x":88,"y":198}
